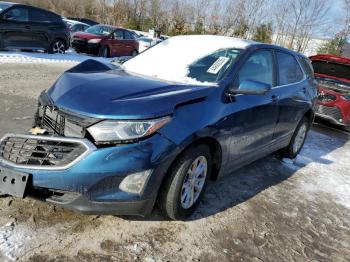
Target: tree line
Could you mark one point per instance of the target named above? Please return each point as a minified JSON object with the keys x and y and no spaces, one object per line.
{"x":290,"y":23}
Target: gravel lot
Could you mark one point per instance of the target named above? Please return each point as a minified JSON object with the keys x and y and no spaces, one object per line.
{"x":270,"y":211}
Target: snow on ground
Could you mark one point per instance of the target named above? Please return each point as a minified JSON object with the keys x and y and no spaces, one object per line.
{"x":39,"y":57}
{"x":327,"y":166}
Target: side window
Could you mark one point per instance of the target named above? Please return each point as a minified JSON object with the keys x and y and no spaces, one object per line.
{"x":259,"y":68}
{"x":18,"y":14}
{"x":288,"y":69}
{"x":119,"y":35}
{"x":39,"y":16}
{"x":129,"y":35}
{"x":306,"y":64}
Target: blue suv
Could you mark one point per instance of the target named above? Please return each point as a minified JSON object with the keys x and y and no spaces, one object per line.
{"x":117,"y":139}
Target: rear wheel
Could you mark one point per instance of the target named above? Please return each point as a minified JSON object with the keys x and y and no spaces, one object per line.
{"x":134,"y":53}
{"x":57,"y":47}
{"x":186,"y":183}
{"x":298,"y":140}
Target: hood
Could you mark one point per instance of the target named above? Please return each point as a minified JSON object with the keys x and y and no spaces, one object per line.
{"x":88,"y":36}
{"x":112,"y":93}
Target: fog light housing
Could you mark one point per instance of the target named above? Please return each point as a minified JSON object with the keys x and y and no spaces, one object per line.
{"x":135,"y":183}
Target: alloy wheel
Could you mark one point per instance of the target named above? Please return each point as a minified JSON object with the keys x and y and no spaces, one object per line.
{"x":194,"y":181}
{"x":59,"y":48}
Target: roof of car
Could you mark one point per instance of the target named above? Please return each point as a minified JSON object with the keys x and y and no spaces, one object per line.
{"x":331,"y":58}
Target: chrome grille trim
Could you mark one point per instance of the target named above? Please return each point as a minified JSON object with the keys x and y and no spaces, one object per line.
{"x":89,"y":147}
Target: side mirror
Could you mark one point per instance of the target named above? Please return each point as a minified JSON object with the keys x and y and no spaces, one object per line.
{"x":6,"y":17}
{"x":250,"y":87}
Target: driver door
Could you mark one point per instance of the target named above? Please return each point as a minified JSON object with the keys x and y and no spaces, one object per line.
{"x":252,"y":118}
{"x":15,"y":28}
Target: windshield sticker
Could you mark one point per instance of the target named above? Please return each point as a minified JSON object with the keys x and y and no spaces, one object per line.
{"x":218,"y":65}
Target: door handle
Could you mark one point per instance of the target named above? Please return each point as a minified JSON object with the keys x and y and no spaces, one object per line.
{"x":27,"y":27}
{"x":274,"y":98}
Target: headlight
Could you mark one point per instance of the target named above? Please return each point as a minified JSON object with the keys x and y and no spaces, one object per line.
{"x":109,"y":131}
{"x":94,"y":41}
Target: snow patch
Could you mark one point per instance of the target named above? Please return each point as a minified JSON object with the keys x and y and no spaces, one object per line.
{"x":12,"y":238}
{"x":326,"y":161}
{"x":169,"y":60}
{"x":38,"y":58}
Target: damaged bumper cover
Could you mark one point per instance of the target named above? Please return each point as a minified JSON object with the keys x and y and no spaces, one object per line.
{"x":89,"y":181}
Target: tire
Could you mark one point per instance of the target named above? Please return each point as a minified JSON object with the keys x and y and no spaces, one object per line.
{"x":134,"y":53}
{"x":57,"y":47}
{"x":104,"y":52}
{"x":175,"y":196}
{"x":298,"y":140}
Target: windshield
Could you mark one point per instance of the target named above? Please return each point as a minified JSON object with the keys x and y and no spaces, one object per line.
{"x":332,"y":69}
{"x":188,"y":59}
{"x":100,"y":30}
{"x":4,"y":6}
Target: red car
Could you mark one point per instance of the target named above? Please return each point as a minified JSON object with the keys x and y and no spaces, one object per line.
{"x":106,"y":41}
{"x":333,"y":76}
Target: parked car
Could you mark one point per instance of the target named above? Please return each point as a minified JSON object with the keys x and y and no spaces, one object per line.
{"x":84,"y":20}
{"x":106,"y":41}
{"x":333,"y":77}
{"x":30,"y":28}
{"x":113,"y":140}
{"x":146,"y":42}
{"x":75,"y":26}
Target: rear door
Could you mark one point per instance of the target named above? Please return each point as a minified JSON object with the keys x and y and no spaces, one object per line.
{"x":129,"y":42}
{"x":15,"y":29}
{"x":293,"y":97}
{"x":41,"y":25}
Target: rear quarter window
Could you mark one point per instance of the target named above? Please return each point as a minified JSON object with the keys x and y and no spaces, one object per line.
{"x":289,"y":70}
{"x":307,"y":66}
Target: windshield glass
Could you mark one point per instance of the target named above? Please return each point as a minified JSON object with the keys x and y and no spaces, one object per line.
{"x":100,"y":30}
{"x":189,"y":59}
{"x":4,"y":6}
{"x":331,"y":69}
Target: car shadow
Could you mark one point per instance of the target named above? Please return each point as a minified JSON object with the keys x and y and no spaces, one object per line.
{"x":247,"y":182}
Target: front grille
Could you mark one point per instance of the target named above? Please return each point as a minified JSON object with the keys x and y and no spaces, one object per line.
{"x":324,"y":97}
{"x":331,"y":112}
{"x":52,"y":120}
{"x":41,"y":151}
{"x":57,"y":123}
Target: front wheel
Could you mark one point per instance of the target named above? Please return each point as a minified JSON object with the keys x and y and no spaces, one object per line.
{"x":57,"y":47}
{"x":186,"y":183}
{"x":298,"y":140}
{"x":134,"y":53}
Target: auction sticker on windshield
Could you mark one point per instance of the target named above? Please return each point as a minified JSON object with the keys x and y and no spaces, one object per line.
{"x":217,"y":66}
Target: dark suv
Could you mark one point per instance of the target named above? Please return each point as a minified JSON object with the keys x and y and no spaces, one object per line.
{"x":116,"y":139}
{"x":30,"y":28}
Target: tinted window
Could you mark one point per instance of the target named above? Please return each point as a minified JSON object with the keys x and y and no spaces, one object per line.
{"x":288,"y":69}
{"x":118,"y":34}
{"x":214,"y":66}
{"x":259,"y":67}
{"x":306,"y":64}
{"x":100,"y":30}
{"x":129,"y":35}
{"x":19,"y":14}
{"x":39,"y":16}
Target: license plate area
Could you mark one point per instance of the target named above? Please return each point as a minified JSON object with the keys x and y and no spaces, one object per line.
{"x":13,"y":183}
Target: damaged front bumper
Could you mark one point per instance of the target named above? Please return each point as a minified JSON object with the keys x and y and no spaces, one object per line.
{"x":86,"y":178}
